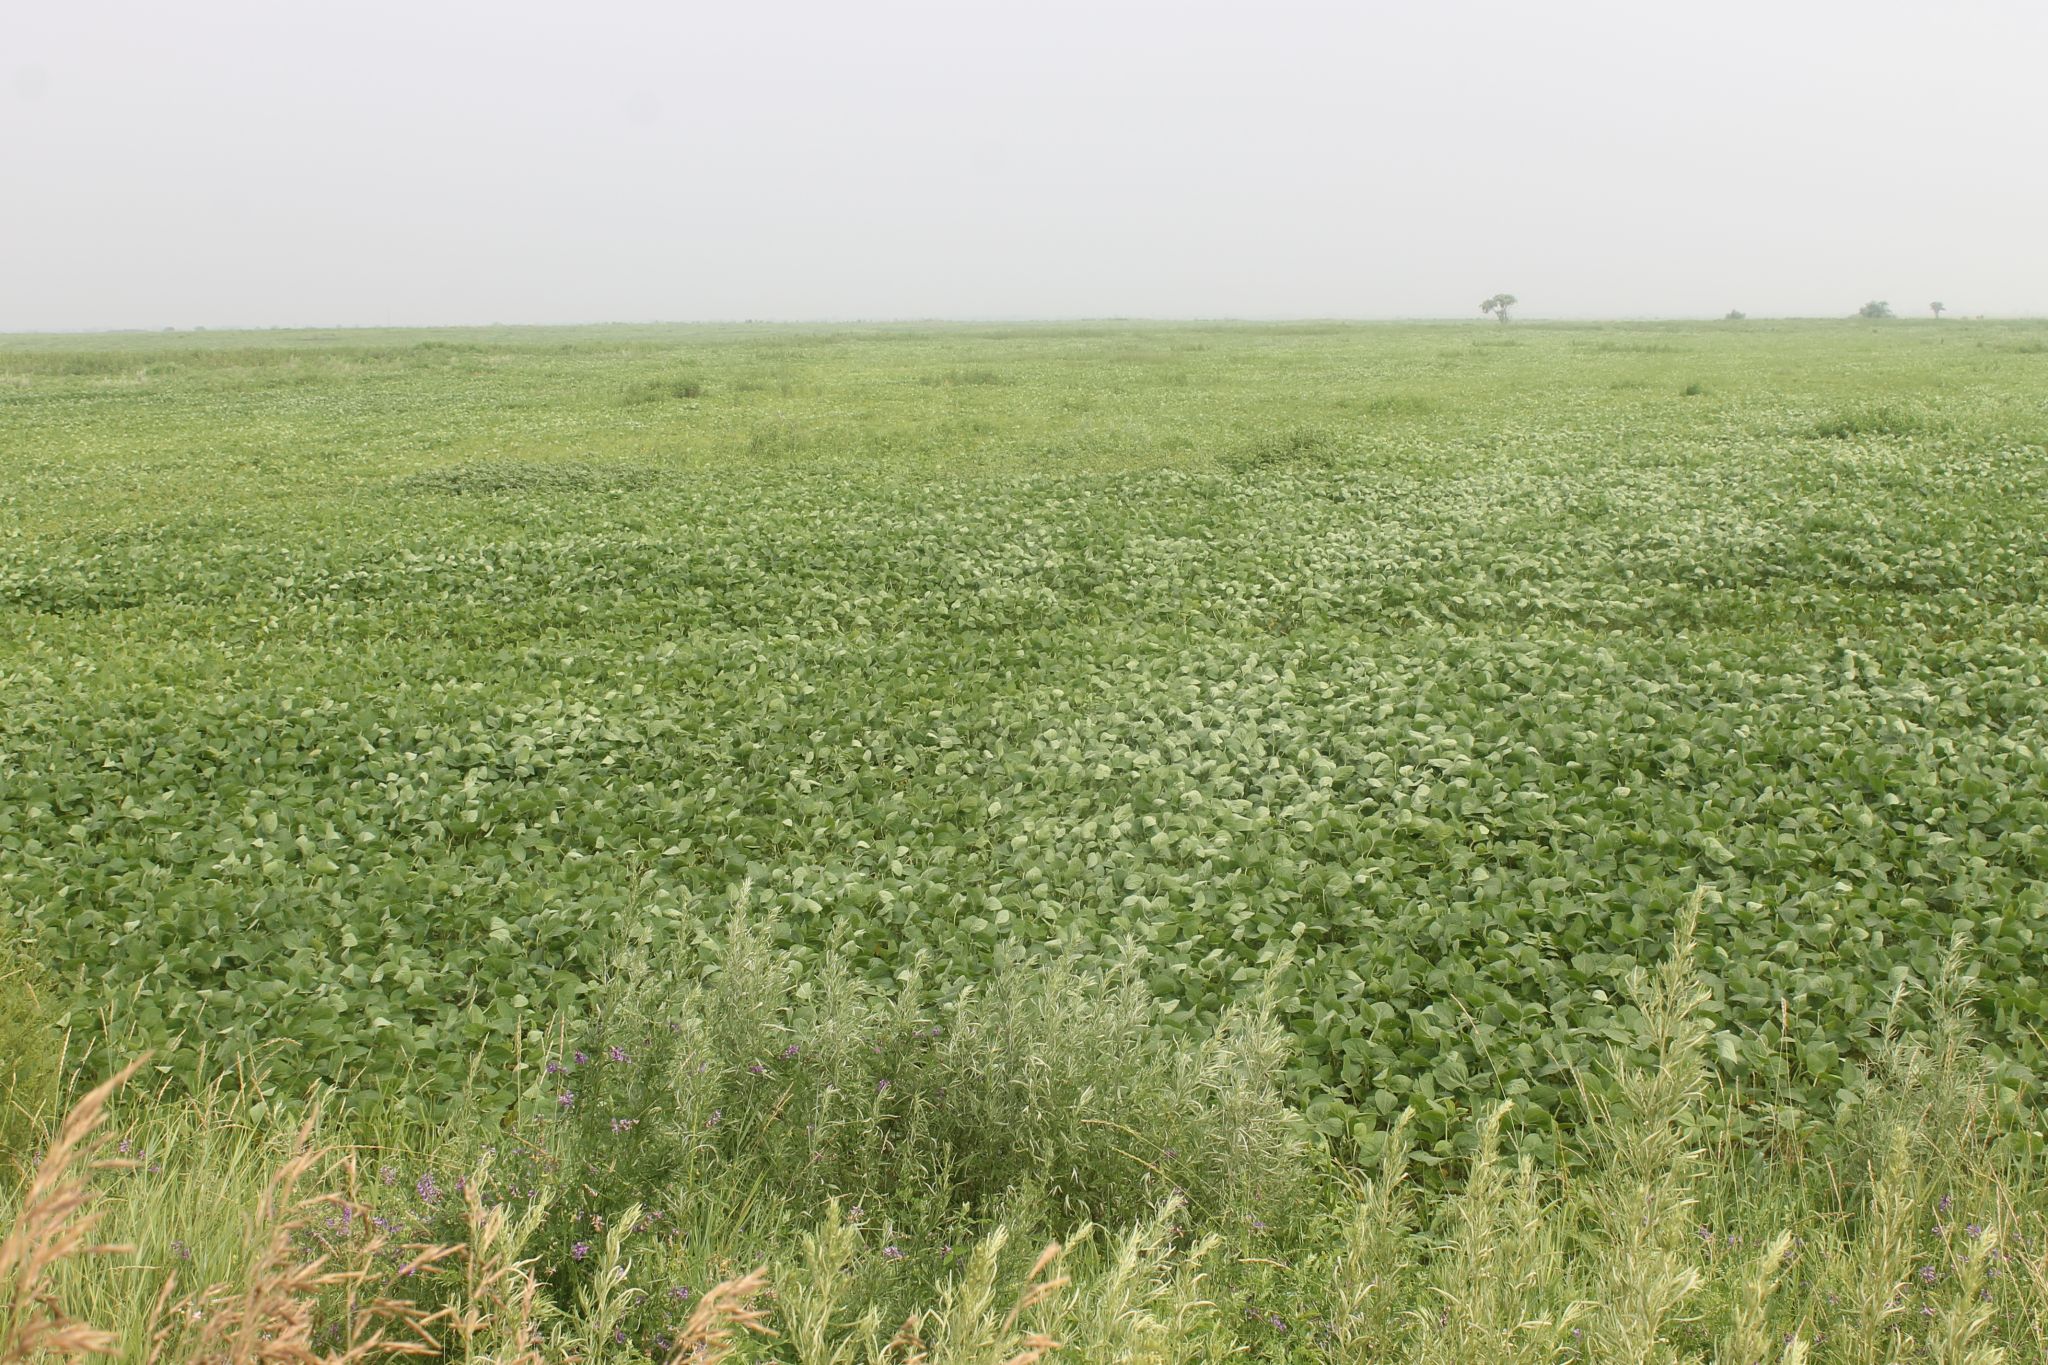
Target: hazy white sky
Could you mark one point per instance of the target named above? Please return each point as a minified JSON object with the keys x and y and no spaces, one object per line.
{"x":222,"y":162}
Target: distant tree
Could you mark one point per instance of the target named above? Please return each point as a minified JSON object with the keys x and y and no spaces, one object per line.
{"x":1735,"y":315}
{"x":1939,"y":309}
{"x":1498,"y":305}
{"x":1876,"y":308}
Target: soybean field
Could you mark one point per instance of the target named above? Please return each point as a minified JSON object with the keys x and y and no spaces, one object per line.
{"x":363,"y":695}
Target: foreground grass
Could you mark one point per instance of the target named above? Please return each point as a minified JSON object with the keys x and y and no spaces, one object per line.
{"x":785,"y":1165}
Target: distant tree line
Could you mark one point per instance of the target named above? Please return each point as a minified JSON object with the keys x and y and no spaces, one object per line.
{"x":1497,"y":307}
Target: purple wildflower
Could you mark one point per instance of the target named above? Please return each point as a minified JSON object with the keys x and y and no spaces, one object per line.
{"x":757,"y":1068}
{"x":894,"y":1253}
{"x":791,"y":1050}
{"x":579,"y":1251}
{"x":582,"y":1059}
{"x":426,"y":1189}
{"x":617,"y":1054}
{"x":1927,"y":1274}
{"x":566,"y":1098}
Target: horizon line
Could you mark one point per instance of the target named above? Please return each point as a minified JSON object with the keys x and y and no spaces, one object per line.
{"x":932,"y":320}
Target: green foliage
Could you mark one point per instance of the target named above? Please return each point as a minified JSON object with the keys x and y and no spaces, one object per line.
{"x":31,"y":1055}
{"x":1876,"y":308}
{"x":364,"y":703}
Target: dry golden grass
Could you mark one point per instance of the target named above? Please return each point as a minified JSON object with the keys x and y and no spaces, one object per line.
{"x":726,"y":1311}
{"x":287,"y":1298}
{"x":53,"y":1225}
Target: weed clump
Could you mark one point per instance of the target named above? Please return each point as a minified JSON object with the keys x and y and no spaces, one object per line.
{"x":1046,"y":1078}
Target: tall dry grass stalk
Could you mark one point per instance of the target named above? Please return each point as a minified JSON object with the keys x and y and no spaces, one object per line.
{"x":53,"y":1224}
{"x":1498,"y":1282}
{"x":1748,"y":1337}
{"x":1372,"y":1244}
{"x":499,"y":1315}
{"x":969,"y":1326}
{"x":270,"y":1315}
{"x":1643,"y":1195}
{"x":726,"y":1312}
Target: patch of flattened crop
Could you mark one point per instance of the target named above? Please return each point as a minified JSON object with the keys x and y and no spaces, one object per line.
{"x":1895,"y":420}
{"x":1288,"y":448}
{"x":1399,"y":405}
{"x":674,"y":390}
{"x":500,"y":478}
{"x":953,"y":379}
